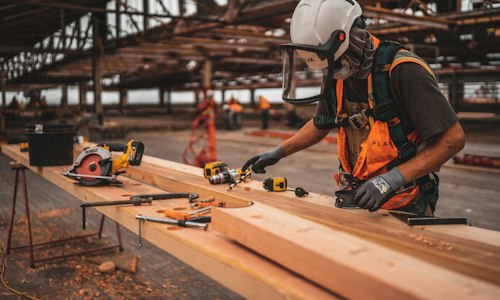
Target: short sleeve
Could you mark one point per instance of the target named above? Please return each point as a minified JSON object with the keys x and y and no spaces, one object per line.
{"x":424,"y":104}
{"x":323,"y":109}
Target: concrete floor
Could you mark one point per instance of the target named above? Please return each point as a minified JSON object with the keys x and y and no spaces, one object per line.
{"x":56,"y":214}
{"x":463,"y":192}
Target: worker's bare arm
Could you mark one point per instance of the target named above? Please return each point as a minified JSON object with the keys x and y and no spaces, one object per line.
{"x":432,"y":157}
{"x":307,"y":136}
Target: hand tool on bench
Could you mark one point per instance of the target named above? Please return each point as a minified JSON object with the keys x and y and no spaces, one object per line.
{"x":209,"y":201}
{"x":178,"y":215}
{"x":415,"y":220}
{"x":204,"y":200}
{"x":200,"y":204}
{"x":136,"y":200}
{"x":241,"y":179}
{"x":95,"y":165}
{"x":182,"y":223}
{"x":279,"y":184}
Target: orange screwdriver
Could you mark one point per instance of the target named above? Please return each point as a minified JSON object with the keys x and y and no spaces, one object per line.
{"x":178,"y":215}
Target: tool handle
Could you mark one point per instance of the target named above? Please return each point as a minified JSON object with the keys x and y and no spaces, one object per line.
{"x":177,"y":215}
{"x":182,"y":223}
{"x":205,"y":200}
{"x":105,"y":203}
{"x":206,"y":204}
{"x":190,"y":196}
{"x":114,"y":147}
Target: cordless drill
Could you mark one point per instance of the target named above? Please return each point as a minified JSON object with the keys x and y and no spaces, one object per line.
{"x":227,"y":176}
{"x":214,"y":168}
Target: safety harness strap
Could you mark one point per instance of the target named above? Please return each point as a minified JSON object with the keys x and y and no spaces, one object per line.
{"x":384,"y":109}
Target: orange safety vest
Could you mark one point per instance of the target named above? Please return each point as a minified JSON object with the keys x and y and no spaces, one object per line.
{"x":264,"y":103}
{"x":378,"y":150}
{"x":236,"y":108}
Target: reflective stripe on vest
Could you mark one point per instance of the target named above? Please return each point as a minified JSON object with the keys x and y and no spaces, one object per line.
{"x":378,"y":151}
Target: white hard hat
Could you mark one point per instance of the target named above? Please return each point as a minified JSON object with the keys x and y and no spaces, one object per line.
{"x":314,"y":21}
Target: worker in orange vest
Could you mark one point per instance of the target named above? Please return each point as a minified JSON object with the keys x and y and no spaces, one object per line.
{"x":264,"y":110}
{"x":396,"y":128}
{"x":235,"y":112}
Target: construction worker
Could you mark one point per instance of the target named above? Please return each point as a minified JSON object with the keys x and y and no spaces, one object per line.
{"x":235,"y":112}
{"x":264,"y":111}
{"x":395,"y":126}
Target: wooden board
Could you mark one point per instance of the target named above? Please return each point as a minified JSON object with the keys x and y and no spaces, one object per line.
{"x":234,"y":266}
{"x":472,"y":251}
{"x":345,"y":264}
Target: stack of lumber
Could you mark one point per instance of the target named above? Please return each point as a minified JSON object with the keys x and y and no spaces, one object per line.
{"x":300,"y":248}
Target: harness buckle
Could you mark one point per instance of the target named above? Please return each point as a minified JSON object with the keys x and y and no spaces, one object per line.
{"x":359,"y":120}
{"x":382,"y":68}
{"x":353,"y":181}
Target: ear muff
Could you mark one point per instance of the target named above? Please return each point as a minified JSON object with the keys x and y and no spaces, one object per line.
{"x":360,"y":22}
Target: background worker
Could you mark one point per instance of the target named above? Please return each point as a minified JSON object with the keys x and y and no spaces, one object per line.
{"x":264,"y":111}
{"x":384,"y":100}
{"x":235,"y":111}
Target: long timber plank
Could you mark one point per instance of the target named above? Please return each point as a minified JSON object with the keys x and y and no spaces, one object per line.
{"x":466,"y":249}
{"x":353,"y":267}
{"x":227,"y":262}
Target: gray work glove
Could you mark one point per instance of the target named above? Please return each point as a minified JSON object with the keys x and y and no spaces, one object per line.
{"x":378,"y":190}
{"x":264,"y":159}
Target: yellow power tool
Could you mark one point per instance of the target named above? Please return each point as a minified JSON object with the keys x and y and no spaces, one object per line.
{"x":214,"y":168}
{"x":95,"y":165}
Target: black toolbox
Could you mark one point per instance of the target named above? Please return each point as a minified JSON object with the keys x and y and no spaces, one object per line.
{"x":50,"y":144}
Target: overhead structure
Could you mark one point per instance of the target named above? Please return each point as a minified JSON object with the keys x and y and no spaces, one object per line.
{"x":121,"y":45}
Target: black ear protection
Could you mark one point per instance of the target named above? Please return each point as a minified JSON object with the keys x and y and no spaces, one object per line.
{"x":360,"y":22}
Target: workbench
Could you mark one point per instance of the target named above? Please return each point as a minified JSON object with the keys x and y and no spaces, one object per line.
{"x":277,"y":246}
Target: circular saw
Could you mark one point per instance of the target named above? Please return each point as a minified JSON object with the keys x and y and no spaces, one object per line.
{"x":95,"y":166}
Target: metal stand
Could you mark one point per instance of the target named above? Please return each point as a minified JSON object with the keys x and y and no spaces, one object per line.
{"x":19,"y":168}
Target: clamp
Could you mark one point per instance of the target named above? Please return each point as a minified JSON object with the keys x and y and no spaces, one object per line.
{"x":136,"y":200}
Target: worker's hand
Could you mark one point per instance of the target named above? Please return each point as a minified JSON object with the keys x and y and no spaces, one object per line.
{"x":375,"y":192}
{"x":264,"y":159}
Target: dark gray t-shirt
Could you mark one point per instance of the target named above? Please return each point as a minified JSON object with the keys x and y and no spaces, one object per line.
{"x":420,"y":102}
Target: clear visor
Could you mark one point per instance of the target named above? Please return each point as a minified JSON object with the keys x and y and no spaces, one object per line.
{"x":303,"y":73}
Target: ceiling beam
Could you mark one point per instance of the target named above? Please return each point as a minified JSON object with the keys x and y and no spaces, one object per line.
{"x":390,"y":15}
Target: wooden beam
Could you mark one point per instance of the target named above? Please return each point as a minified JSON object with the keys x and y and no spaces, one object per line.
{"x":239,"y":269}
{"x":207,"y":74}
{"x":455,"y":249}
{"x":342,"y":263}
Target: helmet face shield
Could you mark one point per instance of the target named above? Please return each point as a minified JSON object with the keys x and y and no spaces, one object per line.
{"x":296,"y":72}
{"x":311,"y":67}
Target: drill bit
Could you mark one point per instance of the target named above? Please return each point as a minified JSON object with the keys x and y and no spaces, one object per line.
{"x":242,"y":178}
